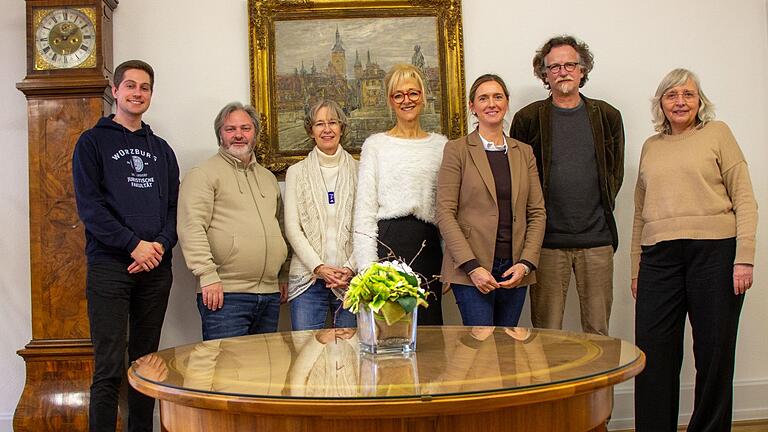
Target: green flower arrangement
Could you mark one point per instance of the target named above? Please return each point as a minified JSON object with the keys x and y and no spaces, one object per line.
{"x":390,"y":289}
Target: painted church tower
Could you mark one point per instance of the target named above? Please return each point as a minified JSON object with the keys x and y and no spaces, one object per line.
{"x":338,"y":57}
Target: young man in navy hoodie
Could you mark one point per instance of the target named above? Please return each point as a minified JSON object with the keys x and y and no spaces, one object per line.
{"x":126,"y":185}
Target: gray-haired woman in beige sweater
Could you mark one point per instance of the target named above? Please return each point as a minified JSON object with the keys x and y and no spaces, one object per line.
{"x":693,"y":247}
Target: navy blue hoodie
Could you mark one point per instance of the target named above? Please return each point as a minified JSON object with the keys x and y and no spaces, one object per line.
{"x":127,"y":187}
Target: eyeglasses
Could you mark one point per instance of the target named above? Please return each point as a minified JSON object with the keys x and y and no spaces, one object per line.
{"x":331,"y":124}
{"x":412,"y":95}
{"x":687,"y":95}
{"x":569,"y":67}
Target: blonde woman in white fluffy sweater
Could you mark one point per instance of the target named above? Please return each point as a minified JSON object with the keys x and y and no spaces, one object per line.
{"x":319,"y":195}
{"x":397,"y":184}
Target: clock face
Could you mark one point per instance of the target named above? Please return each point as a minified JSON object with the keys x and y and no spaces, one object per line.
{"x":65,"y":38}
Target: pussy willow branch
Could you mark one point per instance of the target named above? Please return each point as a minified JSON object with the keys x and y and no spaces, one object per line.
{"x":391,"y":254}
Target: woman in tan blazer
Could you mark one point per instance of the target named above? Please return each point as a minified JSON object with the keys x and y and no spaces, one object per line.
{"x":490,"y":212}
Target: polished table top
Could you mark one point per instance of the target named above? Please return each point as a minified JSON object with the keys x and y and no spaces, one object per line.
{"x":449,"y":360}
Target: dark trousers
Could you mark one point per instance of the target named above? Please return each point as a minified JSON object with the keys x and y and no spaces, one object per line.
{"x":404,"y":236}
{"x":693,"y":277}
{"x":123,"y":308}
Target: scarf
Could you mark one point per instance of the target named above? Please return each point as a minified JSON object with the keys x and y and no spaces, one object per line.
{"x":312,"y":197}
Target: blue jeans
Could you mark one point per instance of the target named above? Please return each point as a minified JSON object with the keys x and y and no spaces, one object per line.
{"x":500,"y":307}
{"x":242,"y":314}
{"x":310,"y":309}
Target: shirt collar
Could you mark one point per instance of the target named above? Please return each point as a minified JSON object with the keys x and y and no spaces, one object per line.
{"x":490,"y":146}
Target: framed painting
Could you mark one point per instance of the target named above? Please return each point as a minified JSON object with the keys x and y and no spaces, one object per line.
{"x":303,"y":51}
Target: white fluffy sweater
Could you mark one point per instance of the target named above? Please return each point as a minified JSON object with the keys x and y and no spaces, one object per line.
{"x":397,"y":177}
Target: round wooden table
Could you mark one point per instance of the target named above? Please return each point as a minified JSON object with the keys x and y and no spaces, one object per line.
{"x":459,"y":379}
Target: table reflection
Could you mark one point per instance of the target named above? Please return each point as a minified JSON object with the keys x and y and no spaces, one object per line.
{"x":328,"y":363}
{"x":325,"y":365}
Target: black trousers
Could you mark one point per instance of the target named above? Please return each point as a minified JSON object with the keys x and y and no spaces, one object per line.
{"x":404,"y":236}
{"x":693,"y":278}
{"x":123,"y":308}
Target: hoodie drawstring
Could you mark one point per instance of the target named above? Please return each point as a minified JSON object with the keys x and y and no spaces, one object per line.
{"x":147,"y":135}
{"x":237,"y":178}
{"x":258,"y":186}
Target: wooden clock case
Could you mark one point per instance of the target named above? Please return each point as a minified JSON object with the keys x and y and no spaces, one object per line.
{"x":61,"y":103}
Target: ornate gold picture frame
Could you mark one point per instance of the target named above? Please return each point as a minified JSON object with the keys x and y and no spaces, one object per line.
{"x":302,"y":51}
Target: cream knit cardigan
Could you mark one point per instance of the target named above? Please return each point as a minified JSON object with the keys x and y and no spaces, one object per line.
{"x":319,"y":233}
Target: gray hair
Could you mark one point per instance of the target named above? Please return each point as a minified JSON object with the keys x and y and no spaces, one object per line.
{"x":229,"y":109}
{"x":336,"y":112}
{"x":674,"y":78}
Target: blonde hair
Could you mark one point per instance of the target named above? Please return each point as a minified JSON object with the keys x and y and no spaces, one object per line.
{"x":401,"y":72}
{"x":674,"y":78}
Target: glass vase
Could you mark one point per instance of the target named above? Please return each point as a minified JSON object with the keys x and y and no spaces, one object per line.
{"x":378,"y":337}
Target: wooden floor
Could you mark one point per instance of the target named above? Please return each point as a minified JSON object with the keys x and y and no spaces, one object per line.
{"x":753,"y":426}
{"x":744,"y":426}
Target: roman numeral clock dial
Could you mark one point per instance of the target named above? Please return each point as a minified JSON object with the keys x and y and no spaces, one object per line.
{"x":65,"y":38}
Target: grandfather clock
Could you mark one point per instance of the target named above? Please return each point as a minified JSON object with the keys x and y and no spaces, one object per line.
{"x":69,"y":67}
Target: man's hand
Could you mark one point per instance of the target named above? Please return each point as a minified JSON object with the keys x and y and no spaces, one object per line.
{"x":483,"y":280}
{"x":146,"y":256}
{"x":283,"y":287}
{"x":742,"y":278}
{"x":518,"y":273}
{"x":213,"y":296}
{"x":634,"y":288}
{"x":151,"y":367}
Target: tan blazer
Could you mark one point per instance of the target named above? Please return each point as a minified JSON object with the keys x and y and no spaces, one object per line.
{"x":467,"y":210}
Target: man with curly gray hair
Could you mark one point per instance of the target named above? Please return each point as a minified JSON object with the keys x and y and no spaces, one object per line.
{"x":579,"y":148}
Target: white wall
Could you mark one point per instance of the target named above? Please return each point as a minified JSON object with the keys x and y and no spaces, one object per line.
{"x":14,"y":218}
{"x":200,"y":52}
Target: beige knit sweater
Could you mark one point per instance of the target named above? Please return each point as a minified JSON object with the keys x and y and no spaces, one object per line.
{"x":694,"y":185}
{"x":228,"y":227}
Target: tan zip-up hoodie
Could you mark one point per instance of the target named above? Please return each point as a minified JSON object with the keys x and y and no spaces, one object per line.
{"x":228,"y":227}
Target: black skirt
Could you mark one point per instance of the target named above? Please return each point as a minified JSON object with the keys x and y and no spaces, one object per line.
{"x":404,"y":236}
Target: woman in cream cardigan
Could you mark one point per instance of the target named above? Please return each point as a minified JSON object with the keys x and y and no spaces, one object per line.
{"x":319,"y":196}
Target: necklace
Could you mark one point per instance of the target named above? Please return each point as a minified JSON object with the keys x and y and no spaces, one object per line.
{"x":331,"y":193}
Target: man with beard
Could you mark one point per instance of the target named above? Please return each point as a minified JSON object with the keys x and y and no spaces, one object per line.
{"x":579,"y":148}
{"x":229,"y":231}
